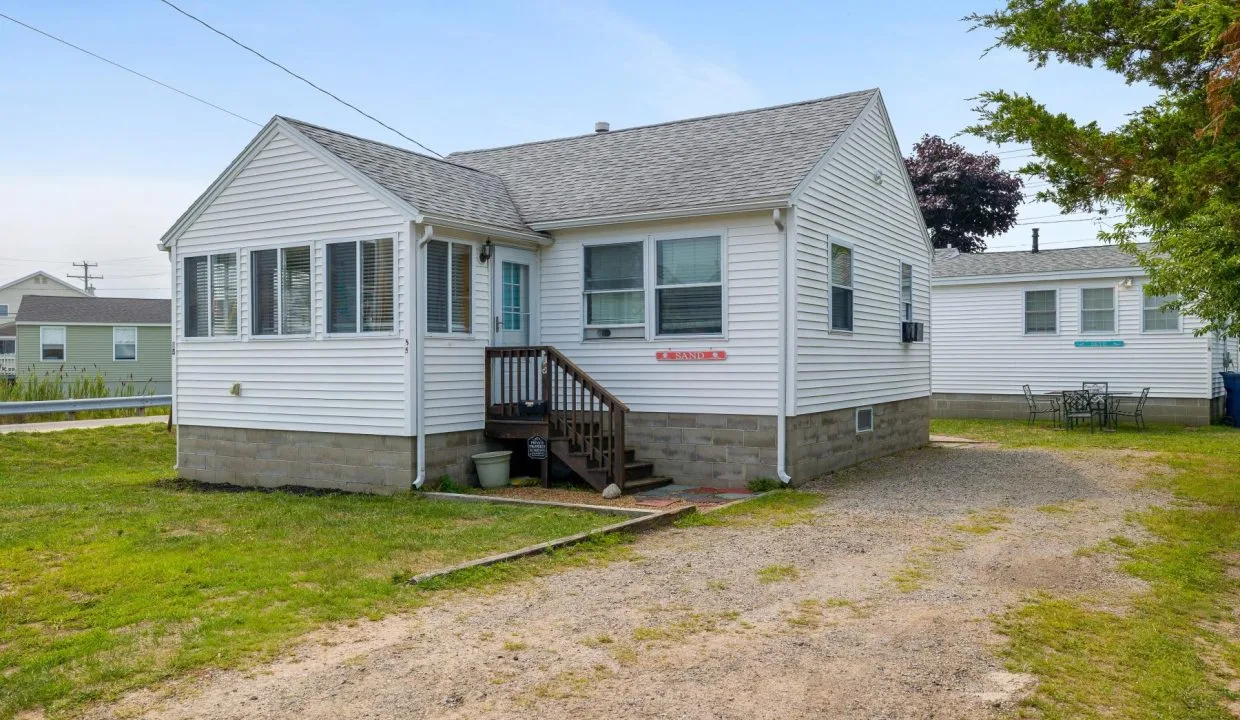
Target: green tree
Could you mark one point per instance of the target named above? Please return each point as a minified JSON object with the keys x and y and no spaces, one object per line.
{"x":1173,"y":168}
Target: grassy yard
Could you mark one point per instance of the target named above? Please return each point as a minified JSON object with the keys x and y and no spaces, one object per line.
{"x":113,"y":577}
{"x":1175,"y":652}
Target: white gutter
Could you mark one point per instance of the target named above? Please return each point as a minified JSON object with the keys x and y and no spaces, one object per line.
{"x":718,"y":209}
{"x":419,"y":315}
{"x":781,"y":420}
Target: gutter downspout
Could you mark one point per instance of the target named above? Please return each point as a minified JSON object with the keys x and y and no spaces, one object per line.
{"x":781,"y":420}
{"x":419,"y":313}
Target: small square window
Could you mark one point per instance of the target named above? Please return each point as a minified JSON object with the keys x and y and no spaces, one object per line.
{"x":865,"y":419}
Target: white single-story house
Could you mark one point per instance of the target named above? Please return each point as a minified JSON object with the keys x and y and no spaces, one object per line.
{"x":709,"y":300}
{"x":1057,"y":318}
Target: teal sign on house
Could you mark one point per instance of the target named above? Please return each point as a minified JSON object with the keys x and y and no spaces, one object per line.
{"x":128,"y":341}
{"x":1099,"y":343}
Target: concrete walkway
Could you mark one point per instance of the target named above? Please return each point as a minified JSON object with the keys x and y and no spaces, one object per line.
{"x":81,"y":424}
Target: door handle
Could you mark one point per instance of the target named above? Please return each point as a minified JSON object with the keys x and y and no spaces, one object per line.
{"x":497,"y":323}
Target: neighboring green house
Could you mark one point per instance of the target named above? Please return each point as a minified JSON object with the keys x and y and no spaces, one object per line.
{"x":126,"y":340}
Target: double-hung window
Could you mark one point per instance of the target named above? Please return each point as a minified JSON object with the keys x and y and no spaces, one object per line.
{"x":280,"y":291}
{"x":210,"y":295}
{"x":449,"y":287}
{"x":1098,"y":310}
{"x":841,"y":287}
{"x":689,"y":286}
{"x":1157,"y":318}
{"x":52,"y":343}
{"x":1041,"y":312}
{"x":906,"y":292}
{"x":615,"y":295}
{"x":124,"y":343}
{"x":360,"y":286}
{"x":4,"y":310}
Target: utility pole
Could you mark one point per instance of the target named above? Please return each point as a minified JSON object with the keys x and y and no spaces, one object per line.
{"x":86,"y":277}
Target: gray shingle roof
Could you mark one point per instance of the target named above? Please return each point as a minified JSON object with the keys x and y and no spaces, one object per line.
{"x":737,"y":157}
{"x":432,"y":186}
{"x":114,"y":311}
{"x":1023,"y":262}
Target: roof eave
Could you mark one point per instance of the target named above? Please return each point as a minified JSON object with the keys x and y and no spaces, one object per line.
{"x":1040,"y":276}
{"x":645,"y":215}
{"x":485,"y":229}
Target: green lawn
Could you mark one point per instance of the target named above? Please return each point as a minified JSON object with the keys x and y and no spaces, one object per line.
{"x":113,"y":577}
{"x":1173,"y":652}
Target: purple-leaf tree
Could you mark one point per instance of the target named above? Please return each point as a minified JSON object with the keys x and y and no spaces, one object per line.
{"x":964,"y":197}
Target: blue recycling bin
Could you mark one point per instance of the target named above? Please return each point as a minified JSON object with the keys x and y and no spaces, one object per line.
{"x":1231,"y":381}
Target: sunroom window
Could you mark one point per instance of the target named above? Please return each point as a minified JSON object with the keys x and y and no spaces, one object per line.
{"x":210,"y":295}
{"x":689,"y":286}
{"x":280,"y":291}
{"x":449,"y":287}
{"x":615,"y":295}
{"x":360,"y":286}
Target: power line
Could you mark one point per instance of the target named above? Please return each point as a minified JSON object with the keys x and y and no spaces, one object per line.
{"x":330,"y":94}
{"x":1031,"y":221}
{"x":97,"y":56}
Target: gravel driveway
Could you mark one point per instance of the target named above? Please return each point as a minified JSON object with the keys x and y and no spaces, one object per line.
{"x":879,"y":608}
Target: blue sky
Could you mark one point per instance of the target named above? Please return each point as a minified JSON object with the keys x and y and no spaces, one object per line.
{"x":96,"y":163}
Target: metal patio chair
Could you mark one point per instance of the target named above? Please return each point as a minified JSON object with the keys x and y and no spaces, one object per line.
{"x":1136,"y":413}
{"x":1035,"y":410}
{"x":1099,"y":394}
{"x":1077,"y":407}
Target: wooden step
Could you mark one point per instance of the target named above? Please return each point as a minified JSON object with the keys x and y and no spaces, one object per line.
{"x":649,"y":483}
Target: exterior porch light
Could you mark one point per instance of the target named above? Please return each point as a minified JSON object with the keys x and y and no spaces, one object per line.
{"x":485,"y":253}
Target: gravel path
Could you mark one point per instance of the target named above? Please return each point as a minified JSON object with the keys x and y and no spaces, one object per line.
{"x":885,"y":613}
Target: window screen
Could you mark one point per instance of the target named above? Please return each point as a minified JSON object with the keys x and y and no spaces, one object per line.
{"x":614,"y":285}
{"x":1098,"y":310}
{"x":689,"y":286}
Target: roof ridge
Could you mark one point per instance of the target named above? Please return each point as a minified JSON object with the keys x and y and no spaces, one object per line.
{"x":1040,"y":252}
{"x":386,"y":144}
{"x":680,"y":121}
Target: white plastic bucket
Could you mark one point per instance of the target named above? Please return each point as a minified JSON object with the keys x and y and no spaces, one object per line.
{"x":492,"y":468}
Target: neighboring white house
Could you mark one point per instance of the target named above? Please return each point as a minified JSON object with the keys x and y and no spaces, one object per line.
{"x":725,"y":298}
{"x":1057,"y":318}
{"x":11,"y":293}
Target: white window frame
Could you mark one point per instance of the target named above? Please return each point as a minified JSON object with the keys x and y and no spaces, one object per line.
{"x":912,"y":295}
{"x":852,"y":260}
{"x":652,"y":279}
{"x":1024,"y":312}
{"x":211,"y":336}
{"x":1179,"y":319}
{"x":857,"y":419}
{"x":1080,"y":310}
{"x":9,"y":339}
{"x":135,"y":343}
{"x":645,"y":289}
{"x":324,"y":277}
{"x":280,"y":334}
{"x":64,"y":343}
{"x":473,"y":290}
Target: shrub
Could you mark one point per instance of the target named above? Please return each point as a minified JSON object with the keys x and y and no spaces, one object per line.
{"x":764,"y":484}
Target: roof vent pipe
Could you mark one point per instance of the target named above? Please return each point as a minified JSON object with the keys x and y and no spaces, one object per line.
{"x":1035,"y":240}
{"x":602,"y":127}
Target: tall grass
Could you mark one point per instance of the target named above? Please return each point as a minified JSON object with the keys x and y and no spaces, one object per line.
{"x":69,"y":383}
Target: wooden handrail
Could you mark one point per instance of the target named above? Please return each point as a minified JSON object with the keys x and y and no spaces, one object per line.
{"x":540,"y":382}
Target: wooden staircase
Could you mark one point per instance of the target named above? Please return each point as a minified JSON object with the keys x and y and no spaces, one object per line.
{"x":537,"y":391}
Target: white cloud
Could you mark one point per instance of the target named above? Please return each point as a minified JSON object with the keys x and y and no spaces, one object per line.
{"x":47,"y":223}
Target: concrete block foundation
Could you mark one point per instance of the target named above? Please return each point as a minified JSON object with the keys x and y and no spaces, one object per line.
{"x":712,"y":450}
{"x":1173,"y":411}
{"x":820,"y":443}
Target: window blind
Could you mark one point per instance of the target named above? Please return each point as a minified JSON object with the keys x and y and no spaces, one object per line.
{"x":264,"y":269}
{"x":52,"y":343}
{"x":613,"y":281}
{"x":841,"y":288}
{"x":125,"y":343}
{"x":195,"y":292}
{"x":224,"y":294}
{"x":377,"y":285}
{"x":462,"y":278}
{"x":437,"y":286}
{"x":295,"y":291}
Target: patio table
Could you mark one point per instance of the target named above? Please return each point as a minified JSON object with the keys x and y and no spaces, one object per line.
{"x":1107,"y":415}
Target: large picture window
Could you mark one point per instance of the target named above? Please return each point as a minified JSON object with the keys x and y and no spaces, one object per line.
{"x":1156,"y":318}
{"x":52,"y":343}
{"x":689,"y":286}
{"x":280,"y":291}
{"x":360,"y":286}
{"x":1041,"y":312}
{"x":210,"y":295}
{"x":1098,"y":310}
{"x":449,"y":287}
{"x":124,"y":343}
{"x":841,"y":287}
{"x":615,"y":293}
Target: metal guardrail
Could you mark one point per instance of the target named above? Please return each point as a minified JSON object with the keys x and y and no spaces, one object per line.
{"x":38,"y":407}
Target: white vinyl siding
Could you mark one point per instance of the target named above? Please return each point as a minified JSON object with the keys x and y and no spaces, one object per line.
{"x":52,"y":343}
{"x":745,"y":383}
{"x":880,"y":222}
{"x":124,"y":344}
{"x":454,"y":363}
{"x":353,"y":383}
{"x":980,"y":347}
{"x":1098,"y":310}
{"x":1041,"y":312}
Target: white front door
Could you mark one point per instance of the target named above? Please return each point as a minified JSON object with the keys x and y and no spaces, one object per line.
{"x":513,"y":279}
